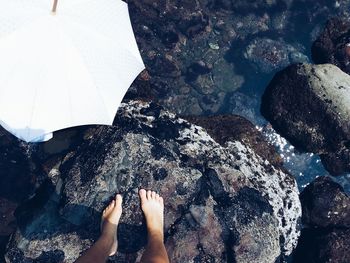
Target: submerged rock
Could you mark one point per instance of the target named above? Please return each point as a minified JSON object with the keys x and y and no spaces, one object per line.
{"x":326,"y":213}
{"x":222,"y":203}
{"x":310,"y":106}
{"x":267,"y":55}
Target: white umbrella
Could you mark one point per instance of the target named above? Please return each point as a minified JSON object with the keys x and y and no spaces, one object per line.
{"x":63,"y":64}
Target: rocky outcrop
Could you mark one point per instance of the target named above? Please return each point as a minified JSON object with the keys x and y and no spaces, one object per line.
{"x":310,"y":106}
{"x":223,"y":203}
{"x":326,"y":214}
{"x":333,"y":44}
{"x":226,"y":128}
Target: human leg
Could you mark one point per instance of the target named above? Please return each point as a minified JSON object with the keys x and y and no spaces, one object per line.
{"x":107,"y":244}
{"x":153,"y":208}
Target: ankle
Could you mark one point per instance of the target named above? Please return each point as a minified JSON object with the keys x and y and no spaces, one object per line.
{"x":155,"y":234}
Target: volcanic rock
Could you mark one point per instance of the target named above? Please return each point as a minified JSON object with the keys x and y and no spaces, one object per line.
{"x":237,"y":128}
{"x":333,"y":45}
{"x":325,"y":204}
{"x":310,"y":106}
{"x":318,"y":246}
{"x":222,"y":203}
{"x":326,"y":213}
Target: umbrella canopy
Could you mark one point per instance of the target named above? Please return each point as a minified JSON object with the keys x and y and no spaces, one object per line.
{"x":63,"y":64}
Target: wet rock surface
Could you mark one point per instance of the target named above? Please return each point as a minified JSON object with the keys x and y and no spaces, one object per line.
{"x":325,"y":204}
{"x":332,"y":44}
{"x":236,"y":128}
{"x":326,"y":211}
{"x":223,"y":203}
{"x":310,"y":106}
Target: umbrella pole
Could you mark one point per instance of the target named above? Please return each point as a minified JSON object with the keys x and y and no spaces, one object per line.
{"x":54,"y":6}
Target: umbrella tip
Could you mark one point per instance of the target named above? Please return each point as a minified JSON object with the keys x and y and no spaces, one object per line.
{"x":54,"y":7}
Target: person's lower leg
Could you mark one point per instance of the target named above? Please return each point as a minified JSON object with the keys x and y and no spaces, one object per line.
{"x":106,"y":245}
{"x":99,"y":252}
{"x":153,"y":207}
{"x":155,"y":250}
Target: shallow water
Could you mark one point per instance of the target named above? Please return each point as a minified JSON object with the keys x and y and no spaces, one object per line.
{"x":293,"y":29}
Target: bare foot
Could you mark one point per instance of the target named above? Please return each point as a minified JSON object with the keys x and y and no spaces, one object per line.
{"x":110,"y":219}
{"x":153,"y":207}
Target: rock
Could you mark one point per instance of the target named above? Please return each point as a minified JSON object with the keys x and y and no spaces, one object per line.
{"x":280,"y":20}
{"x":267,"y":55}
{"x":222,"y":203}
{"x":250,"y":24}
{"x":232,"y":38}
{"x":326,"y":213}
{"x":7,"y":218}
{"x":141,"y":88}
{"x":211,"y":103}
{"x":7,"y":223}
{"x":246,"y":6}
{"x":225,"y":76}
{"x":15,"y":163}
{"x":325,"y":204}
{"x":196,"y":69}
{"x":338,"y":162}
{"x":331,"y":45}
{"x":310,"y":106}
{"x":19,"y":179}
{"x":323,"y":246}
{"x":236,"y":128}
{"x":170,"y":68}
{"x":180,"y":47}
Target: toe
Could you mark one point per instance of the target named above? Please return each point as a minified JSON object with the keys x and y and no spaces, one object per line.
{"x":108,"y":208}
{"x":142,"y":194}
{"x":153,"y":195}
{"x":161,"y":200}
{"x":118,"y":200}
{"x":149,"y":194}
{"x":111,"y":204}
{"x":157,"y":197}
